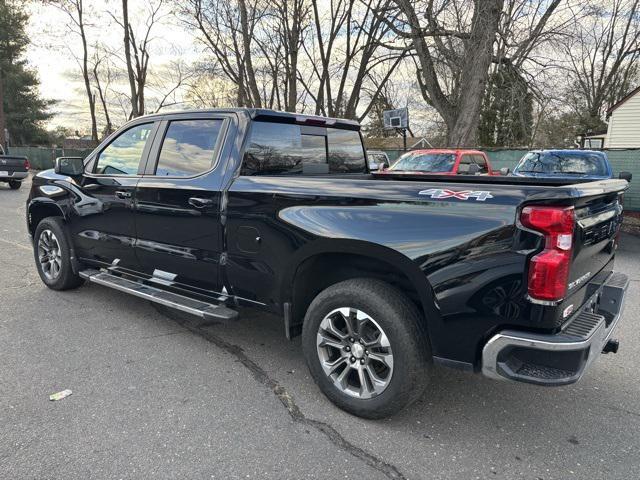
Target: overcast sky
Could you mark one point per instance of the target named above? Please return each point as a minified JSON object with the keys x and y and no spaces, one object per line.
{"x":54,"y":50}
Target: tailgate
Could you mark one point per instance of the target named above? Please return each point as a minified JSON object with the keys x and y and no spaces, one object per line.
{"x":13,"y":163}
{"x":598,"y":221}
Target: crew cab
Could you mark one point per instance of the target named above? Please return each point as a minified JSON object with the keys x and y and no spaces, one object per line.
{"x":443,"y":162}
{"x":13,"y":169}
{"x":206,"y":211}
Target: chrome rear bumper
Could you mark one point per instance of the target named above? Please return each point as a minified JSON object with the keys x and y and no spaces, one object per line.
{"x":562,"y":358}
{"x":14,"y":176}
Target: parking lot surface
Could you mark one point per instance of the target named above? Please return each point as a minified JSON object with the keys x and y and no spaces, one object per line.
{"x":158,"y":394}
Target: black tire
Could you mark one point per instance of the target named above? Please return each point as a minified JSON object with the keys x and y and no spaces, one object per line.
{"x":64,"y":278}
{"x":398,"y":319}
{"x":14,"y":184}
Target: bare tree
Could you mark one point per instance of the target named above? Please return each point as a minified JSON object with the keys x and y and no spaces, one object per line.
{"x":104,"y":74}
{"x":137,"y":53}
{"x":282,"y":53}
{"x":345,"y":52}
{"x":166,"y":84}
{"x":603,"y":57}
{"x":453,"y":50}
{"x":228,"y":30}
{"x":75,"y":11}
{"x":517,"y":76}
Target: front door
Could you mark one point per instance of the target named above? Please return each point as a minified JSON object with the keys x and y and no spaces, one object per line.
{"x":178,"y":204}
{"x":102,"y":225}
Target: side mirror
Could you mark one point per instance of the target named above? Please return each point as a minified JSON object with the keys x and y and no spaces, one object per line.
{"x":474,"y":169}
{"x":382,"y":167}
{"x":70,"y":166}
{"x":625,"y":176}
{"x":504,"y":171}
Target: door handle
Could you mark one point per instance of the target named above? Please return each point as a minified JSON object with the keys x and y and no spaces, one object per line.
{"x":200,"y":202}
{"x":123,"y":194}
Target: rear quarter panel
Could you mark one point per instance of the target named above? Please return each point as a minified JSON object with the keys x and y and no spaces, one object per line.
{"x":469,"y":254}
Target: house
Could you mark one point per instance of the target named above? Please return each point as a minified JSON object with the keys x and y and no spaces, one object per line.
{"x":624,"y":122}
{"x":623,"y":129}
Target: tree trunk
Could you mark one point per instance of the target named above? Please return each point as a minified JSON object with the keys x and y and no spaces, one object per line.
{"x":463,"y":126}
{"x":246,"y":44}
{"x":127,"y":53}
{"x":103,"y":101}
{"x":85,"y":74}
{"x":3,"y":121}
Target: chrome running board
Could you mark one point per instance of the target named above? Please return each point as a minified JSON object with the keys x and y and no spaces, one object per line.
{"x":208,"y":311}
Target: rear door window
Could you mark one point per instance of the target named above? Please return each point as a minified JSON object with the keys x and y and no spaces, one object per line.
{"x":189,"y":147}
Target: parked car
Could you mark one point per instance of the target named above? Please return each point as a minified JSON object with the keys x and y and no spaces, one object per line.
{"x":443,"y":162}
{"x":13,"y":169}
{"x":382,"y":275}
{"x":588,"y":164}
{"x":377,"y":160}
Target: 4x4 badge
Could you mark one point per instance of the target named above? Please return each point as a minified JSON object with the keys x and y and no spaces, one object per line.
{"x":479,"y":195}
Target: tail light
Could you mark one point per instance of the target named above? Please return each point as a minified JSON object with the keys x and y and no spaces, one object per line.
{"x":26,"y":164}
{"x":549,"y":270}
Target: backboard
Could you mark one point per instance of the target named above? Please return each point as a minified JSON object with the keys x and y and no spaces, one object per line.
{"x":398,"y":118}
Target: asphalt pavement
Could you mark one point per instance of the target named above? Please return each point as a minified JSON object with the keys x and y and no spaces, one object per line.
{"x":157,"y":394}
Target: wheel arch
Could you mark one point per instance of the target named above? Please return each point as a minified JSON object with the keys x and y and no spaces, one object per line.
{"x":311,"y":271}
{"x":39,"y":209}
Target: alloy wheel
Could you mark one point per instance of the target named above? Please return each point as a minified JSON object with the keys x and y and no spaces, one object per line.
{"x":355,"y":352}
{"x":49,"y":255}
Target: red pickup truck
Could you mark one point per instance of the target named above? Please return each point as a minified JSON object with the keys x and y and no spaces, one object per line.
{"x":443,"y":162}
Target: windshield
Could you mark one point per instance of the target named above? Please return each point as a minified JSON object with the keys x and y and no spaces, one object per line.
{"x":425,"y":162}
{"x":575,"y":163}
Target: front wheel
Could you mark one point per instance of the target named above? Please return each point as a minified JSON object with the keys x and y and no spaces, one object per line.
{"x":365,"y":349}
{"x":53,"y":255}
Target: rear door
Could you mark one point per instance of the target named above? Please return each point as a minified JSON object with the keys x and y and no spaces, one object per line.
{"x":178,"y":202}
{"x":103,"y":221}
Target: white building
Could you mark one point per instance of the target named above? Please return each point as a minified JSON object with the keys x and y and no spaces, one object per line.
{"x":623,"y":129}
{"x":624,"y":122}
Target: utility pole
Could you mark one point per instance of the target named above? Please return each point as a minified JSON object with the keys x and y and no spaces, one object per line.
{"x":3,"y":121}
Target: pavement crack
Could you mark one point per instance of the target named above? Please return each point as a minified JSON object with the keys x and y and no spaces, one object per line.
{"x":163,"y":335}
{"x":260,"y":375}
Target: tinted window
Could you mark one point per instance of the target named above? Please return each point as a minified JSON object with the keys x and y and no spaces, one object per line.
{"x":122,"y":156}
{"x":425,"y":162}
{"x":346,"y":154}
{"x":276,"y":148}
{"x":188,"y":147}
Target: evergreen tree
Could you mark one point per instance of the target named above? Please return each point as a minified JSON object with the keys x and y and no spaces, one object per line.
{"x":23,"y":111}
{"x":507,"y":110}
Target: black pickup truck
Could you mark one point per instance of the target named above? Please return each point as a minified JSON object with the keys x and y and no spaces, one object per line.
{"x":13,"y":169}
{"x":382,"y":275}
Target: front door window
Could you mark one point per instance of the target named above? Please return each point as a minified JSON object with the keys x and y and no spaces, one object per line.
{"x":122,"y":156}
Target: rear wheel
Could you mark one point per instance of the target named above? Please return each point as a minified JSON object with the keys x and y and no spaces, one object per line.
{"x":365,"y":349}
{"x":53,"y":255}
{"x":14,"y":184}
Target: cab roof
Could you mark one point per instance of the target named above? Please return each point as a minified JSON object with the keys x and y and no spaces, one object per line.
{"x":264,"y":114}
